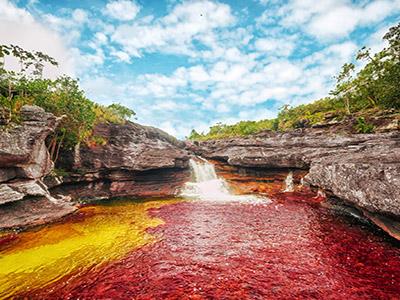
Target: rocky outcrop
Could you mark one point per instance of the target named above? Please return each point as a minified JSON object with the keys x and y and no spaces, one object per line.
{"x":24,"y":161}
{"x":129,"y":160}
{"x":361,"y":169}
{"x":370,"y":178}
{"x":134,"y":161}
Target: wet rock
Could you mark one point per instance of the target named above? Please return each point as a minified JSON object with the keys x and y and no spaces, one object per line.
{"x":33,"y":211}
{"x":369,"y":179}
{"x":362,"y":169}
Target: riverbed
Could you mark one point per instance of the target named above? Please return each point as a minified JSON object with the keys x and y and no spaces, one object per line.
{"x":192,"y":249}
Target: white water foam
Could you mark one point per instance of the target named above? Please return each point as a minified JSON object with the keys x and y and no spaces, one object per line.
{"x":289,"y":183}
{"x":207,"y":186}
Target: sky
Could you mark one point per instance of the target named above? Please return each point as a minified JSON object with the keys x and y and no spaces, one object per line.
{"x":190,"y":64}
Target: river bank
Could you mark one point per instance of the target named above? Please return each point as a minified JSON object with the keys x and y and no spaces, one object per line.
{"x":360,"y":171}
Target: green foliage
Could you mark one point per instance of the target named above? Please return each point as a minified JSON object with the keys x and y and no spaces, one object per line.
{"x":62,"y":97}
{"x":121,"y":111}
{"x":242,"y":128}
{"x":60,"y":172}
{"x":363,"y":127}
{"x":33,"y":62}
{"x":376,"y":86}
{"x":194,"y":135}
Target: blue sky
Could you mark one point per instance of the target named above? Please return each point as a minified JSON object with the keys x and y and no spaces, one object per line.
{"x":190,"y":64}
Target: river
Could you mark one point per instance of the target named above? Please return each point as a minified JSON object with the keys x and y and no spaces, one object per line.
{"x":207,"y":244}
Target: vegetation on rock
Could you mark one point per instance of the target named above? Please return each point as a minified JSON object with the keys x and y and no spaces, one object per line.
{"x":373,"y":89}
{"x":62,"y":97}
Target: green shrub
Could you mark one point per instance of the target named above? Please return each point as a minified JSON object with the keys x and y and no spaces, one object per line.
{"x":363,"y":127}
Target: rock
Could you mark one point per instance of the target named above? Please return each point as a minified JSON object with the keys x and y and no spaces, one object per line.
{"x":7,"y":174}
{"x":4,"y":116}
{"x":136,"y":161}
{"x":270,"y":182}
{"x":8,"y":194}
{"x":296,"y":149}
{"x":393,"y":125}
{"x":22,"y":146}
{"x":24,"y":161}
{"x":52,"y":180}
{"x":368,"y":179}
{"x":33,"y":211}
{"x":362,"y":169}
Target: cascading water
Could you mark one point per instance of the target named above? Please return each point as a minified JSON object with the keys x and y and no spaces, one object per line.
{"x":208,"y":186}
{"x":289,"y":183}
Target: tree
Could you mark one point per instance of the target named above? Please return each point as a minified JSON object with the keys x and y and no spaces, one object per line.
{"x":344,"y":85}
{"x":62,"y":97}
{"x":123,"y":112}
{"x":194,"y":135}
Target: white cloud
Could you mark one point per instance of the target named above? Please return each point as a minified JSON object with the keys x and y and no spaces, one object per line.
{"x":19,"y":27}
{"x":334,"y":23}
{"x":330,"y":19}
{"x":79,"y":16}
{"x":276,"y":47}
{"x":175,"y":32}
{"x":123,"y":10}
{"x":232,"y":73}
{"x":121,"y":55}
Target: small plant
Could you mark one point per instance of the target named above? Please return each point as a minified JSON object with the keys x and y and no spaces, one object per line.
{"x":96,"y":140}
{"x":363,"y":127}
{"x":60,"y":172}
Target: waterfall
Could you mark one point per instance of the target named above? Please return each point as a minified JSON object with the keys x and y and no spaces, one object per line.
{"x":207,"y":186}
{"x":289,"y":183}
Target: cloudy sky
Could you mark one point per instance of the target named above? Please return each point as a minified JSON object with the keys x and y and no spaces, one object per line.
{"x":189,"y":64}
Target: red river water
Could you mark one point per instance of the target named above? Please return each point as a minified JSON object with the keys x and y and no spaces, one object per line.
{"x":290,"y":248}
{"x":207,"y":250}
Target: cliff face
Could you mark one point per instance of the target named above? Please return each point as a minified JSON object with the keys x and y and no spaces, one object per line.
{"x":24,"y":161}
{"x":136,"y":161}
{"x":362,"y":169}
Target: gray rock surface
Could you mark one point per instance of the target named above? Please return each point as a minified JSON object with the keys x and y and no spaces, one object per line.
{"x":24,"y":162}
{"x":23,"y":153}
{"x":363,"y":169}
{"x":136,"y":161}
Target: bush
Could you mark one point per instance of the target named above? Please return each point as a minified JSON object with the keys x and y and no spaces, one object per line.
{"x":363,"y":127}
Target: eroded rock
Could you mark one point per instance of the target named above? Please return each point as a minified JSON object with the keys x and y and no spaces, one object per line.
{"x":136,"y":161}
{"x":24,"y":162}
{"x":362,"y":169}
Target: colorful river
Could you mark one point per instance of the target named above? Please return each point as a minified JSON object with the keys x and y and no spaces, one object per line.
{"x":175,"y":249}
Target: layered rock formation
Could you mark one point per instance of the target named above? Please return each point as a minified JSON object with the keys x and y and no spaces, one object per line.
{"x":132,"y":161}
{"x":24,"y":161}
{"x":136,"y":161}
{"x":361,"y":169}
